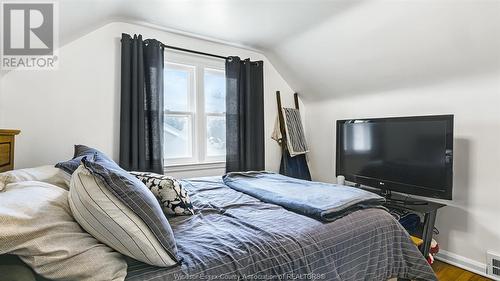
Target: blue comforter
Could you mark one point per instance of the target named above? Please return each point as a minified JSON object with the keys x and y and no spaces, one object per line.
{"x":234,"y":236}
{"x":322,"y":201}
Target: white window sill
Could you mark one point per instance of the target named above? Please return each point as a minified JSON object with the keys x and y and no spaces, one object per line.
{"x":194,"y":167}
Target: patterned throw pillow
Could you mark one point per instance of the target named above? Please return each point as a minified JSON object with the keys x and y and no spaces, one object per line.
{"x":172,"y":197}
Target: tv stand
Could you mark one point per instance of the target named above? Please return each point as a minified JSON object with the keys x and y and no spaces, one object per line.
{"x":387,"y":194}
{"x":406,"y":202}
{"x":422,"y":207}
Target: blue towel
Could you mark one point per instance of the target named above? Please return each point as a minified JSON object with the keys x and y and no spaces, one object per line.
{"x":322,"y":201}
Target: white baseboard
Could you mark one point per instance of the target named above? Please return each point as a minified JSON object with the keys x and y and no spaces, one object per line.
{"x":464,"y":263}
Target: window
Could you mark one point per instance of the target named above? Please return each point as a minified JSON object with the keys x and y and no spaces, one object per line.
{"x":195,"y":107}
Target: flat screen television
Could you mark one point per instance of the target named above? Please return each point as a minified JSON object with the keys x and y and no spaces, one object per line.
{"x":412,"y":155}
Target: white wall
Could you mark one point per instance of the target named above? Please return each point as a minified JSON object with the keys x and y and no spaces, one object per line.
{"x":395,"y":58}
{"x":79,"y":102}
{"x":469,"y":225}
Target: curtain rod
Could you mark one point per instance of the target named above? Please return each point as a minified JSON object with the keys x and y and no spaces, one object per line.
{"x":194,"y":52}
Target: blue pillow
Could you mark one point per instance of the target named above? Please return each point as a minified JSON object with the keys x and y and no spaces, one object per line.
{"x":136,"y":196}
{"x":81,"y":151}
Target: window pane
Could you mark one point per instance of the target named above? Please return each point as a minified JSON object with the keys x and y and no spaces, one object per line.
{"x":215,"y":91}
{"x":178,"y":138}
{"x":177,"y":87}
{"x":216,"y":135}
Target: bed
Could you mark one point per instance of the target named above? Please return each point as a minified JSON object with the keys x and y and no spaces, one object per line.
{"x":234,"y":236}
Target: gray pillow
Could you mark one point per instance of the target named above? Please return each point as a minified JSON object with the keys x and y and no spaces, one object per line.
{"x":136,"y":197}
{"x":80,"y":151}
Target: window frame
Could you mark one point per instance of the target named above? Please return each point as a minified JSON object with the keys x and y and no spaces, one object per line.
{"x":198,"y":114}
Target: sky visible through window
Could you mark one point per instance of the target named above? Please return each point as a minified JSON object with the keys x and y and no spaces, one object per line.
{"x":215,"y":102}
{"x":215,"y":91}
{"x":176,"y":87}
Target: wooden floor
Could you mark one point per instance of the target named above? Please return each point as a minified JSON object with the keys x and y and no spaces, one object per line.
{"x":447,"y":272}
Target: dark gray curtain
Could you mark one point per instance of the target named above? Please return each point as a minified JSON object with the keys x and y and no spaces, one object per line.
{"x":244,"y":115}
{"x":141,"y":113}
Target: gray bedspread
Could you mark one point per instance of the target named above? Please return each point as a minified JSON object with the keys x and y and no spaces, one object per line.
{"x":234,"y":236}
{"x":319,"y":200}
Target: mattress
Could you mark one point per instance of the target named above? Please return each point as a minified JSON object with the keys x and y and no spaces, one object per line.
{"x":234,"y":236}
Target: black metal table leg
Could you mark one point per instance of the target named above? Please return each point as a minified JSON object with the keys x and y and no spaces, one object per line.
{"x":429,"y":220}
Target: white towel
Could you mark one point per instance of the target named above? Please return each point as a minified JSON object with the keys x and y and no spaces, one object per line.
{"x":276,"y":135}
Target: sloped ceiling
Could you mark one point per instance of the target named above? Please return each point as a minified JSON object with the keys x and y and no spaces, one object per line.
{"x":258,"y":24}
{"x":327,"y":49}
{"x":384,"y":45}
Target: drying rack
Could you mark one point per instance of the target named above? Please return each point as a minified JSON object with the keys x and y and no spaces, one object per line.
{"x":290,"y":166}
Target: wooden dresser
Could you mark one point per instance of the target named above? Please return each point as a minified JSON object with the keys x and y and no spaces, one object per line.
{"x":7,"y":139}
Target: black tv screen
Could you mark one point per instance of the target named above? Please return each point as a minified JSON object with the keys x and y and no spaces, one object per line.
{"x":412,"y":155}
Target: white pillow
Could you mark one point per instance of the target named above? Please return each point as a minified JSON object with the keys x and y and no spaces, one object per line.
{"x":36,"y":224}
{"x":48,"y":174}
{"x":104,"y":216}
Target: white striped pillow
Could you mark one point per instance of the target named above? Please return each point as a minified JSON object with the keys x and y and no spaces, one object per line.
{"x":105,"y":217}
